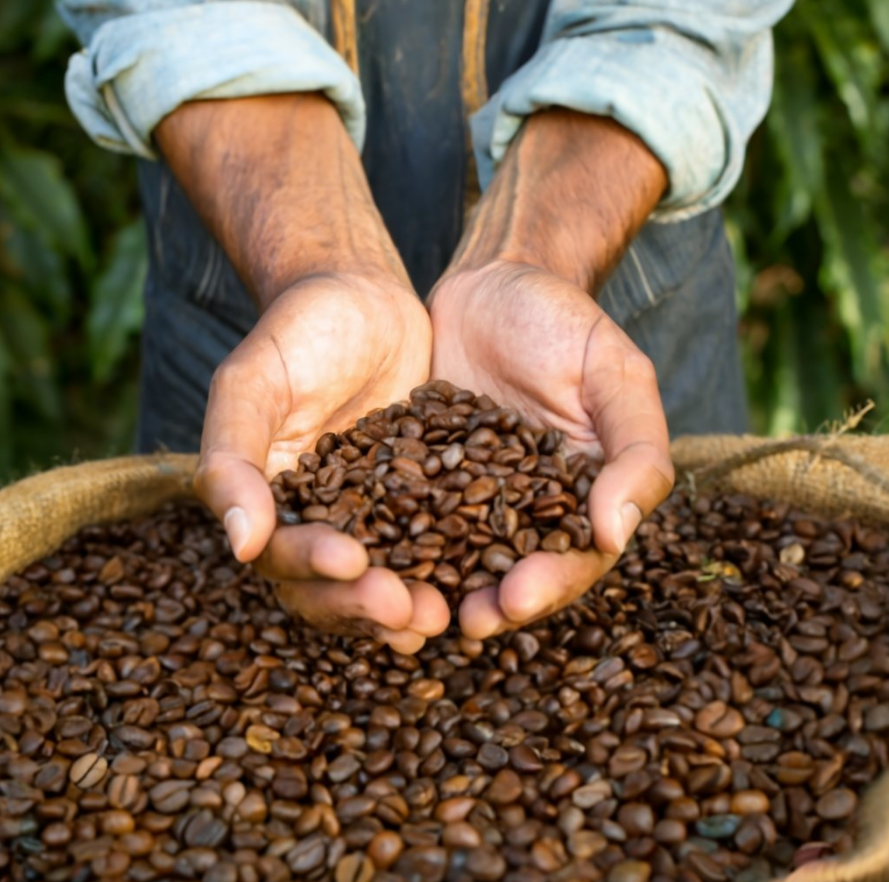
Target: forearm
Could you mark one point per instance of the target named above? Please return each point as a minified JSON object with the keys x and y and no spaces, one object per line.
{"x":280,"y":185}
{"x":571,"y":193}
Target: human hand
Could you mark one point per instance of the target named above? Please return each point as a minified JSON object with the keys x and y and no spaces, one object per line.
{"x":541,"y":345}
{"x":324,"y":353}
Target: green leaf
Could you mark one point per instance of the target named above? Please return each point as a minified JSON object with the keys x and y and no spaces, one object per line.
{"x":817,"y":350}
{"x":879,"y":15}
{"x":27,"y":340}
{"x":795,"y":127}
{"x":40,"y":270}
{"x":15,"y":21}
{"x":52,"y":36}
{"x":852,"y":60}
{"x":784,"y":417}
{"x":848,"y":272}
{"x":36,"y":193}
{"x":116,"y":309}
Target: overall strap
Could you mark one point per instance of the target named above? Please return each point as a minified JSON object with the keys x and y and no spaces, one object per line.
{"x":345,"y":35}
{"x":473,"y":87}
{"x":473,"y":84}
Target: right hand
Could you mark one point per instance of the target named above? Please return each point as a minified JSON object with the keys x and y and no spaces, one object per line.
{"x":325,"y":352}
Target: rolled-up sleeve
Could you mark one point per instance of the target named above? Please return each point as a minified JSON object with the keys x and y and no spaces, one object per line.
{"x":143,"y":58}
{"x":692,"y":78}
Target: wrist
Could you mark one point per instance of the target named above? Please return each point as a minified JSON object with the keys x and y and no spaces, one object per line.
{"x":570,"y":194}
{"x":280,"y":184}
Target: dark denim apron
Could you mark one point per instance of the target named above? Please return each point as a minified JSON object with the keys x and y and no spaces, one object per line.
{"x":673,"y":293}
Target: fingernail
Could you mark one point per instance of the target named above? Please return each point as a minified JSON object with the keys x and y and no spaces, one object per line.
{"x":630,"y":517}
{"x":237,"y":526}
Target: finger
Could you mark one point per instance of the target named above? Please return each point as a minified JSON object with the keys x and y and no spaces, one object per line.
{"x":480,"y":615}
{"x":544,"y":582}
{"x":313,"y":552}
{"x":620,"y":394}
{"x":378,"y":597}
{"x":230,"y":479}
{"x":406,"y":642}
{"x":537,"y":586}
{"x":431,"y":614}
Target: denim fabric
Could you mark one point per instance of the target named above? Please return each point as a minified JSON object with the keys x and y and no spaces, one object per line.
{"x":691,"y":77}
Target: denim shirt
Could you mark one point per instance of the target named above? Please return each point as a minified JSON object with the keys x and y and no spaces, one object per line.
{"x":692,"y":78}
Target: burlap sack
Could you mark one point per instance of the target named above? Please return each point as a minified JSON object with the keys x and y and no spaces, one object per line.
{"x":826,"y":475}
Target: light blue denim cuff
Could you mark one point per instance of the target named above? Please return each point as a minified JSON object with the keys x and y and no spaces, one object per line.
{"x":138,"y":68}
{"x":694,"y":110}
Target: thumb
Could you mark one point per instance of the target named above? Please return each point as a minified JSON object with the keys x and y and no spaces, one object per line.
{"x":230,"y":478}
{"x":622,"y":399}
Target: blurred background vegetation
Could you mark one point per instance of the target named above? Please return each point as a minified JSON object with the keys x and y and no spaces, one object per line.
{"x":809,"y":224}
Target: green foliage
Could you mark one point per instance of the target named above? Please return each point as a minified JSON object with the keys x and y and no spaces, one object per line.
{"x":809,"y":223}
{"x":72,"y":261}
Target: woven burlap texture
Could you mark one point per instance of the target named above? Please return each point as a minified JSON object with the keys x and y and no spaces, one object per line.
{"x":39,"y":513}
{"x":826,"y":475}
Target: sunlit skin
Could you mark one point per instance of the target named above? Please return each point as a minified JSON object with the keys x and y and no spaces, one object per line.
{"x":278,"y":182}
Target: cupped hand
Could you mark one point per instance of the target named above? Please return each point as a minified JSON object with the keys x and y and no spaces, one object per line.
{"x":541,"y":345}
{"x":326,"y":351}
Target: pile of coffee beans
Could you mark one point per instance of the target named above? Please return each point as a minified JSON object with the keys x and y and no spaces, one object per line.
{"x":447,"y":489}
{"x":716,"y":704}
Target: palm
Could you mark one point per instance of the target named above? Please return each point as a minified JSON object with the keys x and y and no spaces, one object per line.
{"x":322,"y":356}
{"x":533,"y":358}
{"x":541,"y":345}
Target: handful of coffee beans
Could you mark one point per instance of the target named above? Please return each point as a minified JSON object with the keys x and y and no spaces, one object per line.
{"x":447,"y":488}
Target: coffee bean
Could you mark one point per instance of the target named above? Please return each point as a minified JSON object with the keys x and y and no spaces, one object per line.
{"x":56,"y":835}
{"x":261,"y":738}
{"x":636,"y":818}
{"x":425,"y":862}
{"x":505,"y":788}
{"x":354,"y":868}
{"x":591,"y":794}
{"x":670,"y":831}
{"x":485,"y":864}
{"x":306,"y":855}
{"x":719,"y":720}
{"x":384,"y":849}
{"x":749,"y":802}
{"x":525,"y":759}
{"x":170,"y":796}
{"x":88,"y":770}
{"x":630,"y":871}
{"x":837,"y":804}
{"x":492,"y":757}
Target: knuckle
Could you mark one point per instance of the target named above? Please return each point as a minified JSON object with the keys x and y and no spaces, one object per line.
{"x":208,"y":473}
{"x":227,"y":377}
{"x":638,"y":368}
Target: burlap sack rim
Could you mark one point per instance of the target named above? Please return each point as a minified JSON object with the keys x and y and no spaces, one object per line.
{"x":827,"y":475}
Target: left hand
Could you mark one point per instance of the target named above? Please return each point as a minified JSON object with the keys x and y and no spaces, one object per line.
{"x":541,"y":345}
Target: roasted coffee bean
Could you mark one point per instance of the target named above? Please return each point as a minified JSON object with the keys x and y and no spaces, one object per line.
{"x":88,"y":770}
